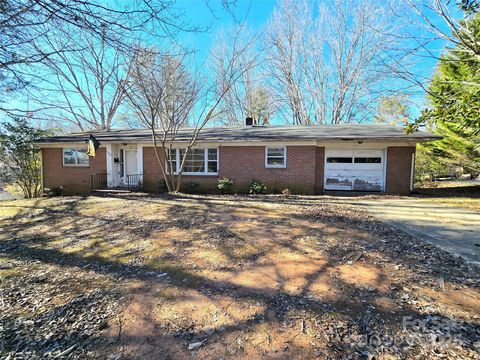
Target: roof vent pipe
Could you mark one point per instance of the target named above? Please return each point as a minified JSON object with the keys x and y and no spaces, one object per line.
{"x":249,"y":121}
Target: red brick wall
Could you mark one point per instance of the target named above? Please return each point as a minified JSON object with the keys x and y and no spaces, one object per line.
{"x":242,"y":164}
{"x":399,"y":166}
{"x":304,"y":173}
{"x":151,"y":170}
{"x":75,"y":180}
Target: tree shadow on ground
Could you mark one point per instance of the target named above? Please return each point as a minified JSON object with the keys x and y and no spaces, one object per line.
{"x":451,"y":191}
{"x":280,"y":306}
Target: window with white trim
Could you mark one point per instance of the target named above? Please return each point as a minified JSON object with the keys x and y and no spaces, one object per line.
{"x":75,"y":157}
{"x":276,"y":156}
{"x":171,"y":161}
{"x":212,"y":161}
{"x":197,"y":161}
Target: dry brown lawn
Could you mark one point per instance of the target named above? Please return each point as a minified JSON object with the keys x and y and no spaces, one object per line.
{"x":230,"y":277}
{"x":458,"y":193}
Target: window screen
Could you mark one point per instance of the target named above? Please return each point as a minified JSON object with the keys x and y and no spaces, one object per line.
{"x":82,"y":157}
{"x":197,"y":161}
{"x":212,"y":161}
{"x":194,"y":161}
{"x":75,"y":157}
{"x":171,"y":161}
{"x":275,"y":157}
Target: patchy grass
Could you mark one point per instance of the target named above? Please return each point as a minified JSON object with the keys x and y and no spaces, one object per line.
{"x":248,"y":277}
{"x":462,"y":202}
{"x":458,"y":193}
{"x":9,"y":273}
{"x":449,"y":184}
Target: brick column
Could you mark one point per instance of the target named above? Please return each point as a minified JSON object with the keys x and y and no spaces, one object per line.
{"x":399,"y":167}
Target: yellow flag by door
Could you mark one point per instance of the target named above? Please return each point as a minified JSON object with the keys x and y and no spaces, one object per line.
{"x":93,"y":145}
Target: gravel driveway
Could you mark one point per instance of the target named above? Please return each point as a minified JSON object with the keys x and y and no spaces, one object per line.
{"x":453,"y":229}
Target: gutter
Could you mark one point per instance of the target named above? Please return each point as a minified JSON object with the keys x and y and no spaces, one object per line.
{"x":236,"y":140}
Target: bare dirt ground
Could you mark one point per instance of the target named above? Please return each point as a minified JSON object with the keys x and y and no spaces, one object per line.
{"x":205,"y":277}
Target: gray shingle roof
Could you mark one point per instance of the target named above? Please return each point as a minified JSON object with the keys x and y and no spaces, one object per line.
{"x":258,"y":133}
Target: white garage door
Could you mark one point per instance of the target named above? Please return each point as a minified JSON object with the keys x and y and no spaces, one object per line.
{"x":355,"y":170}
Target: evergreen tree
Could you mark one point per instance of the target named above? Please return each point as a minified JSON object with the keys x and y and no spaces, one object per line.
{"x":454,"y":95}
{"x":21,"y":156}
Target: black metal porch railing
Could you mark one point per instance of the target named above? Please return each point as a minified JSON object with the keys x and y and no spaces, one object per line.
{"x":134,"y":181}
{"x":98,"y":181}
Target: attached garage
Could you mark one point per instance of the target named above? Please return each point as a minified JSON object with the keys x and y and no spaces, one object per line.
{"x":355,"y":170}
{"x":305,"y":159}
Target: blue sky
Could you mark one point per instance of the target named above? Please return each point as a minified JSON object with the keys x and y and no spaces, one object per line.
{"x":210,"y":16}
{"x":257,"y":13}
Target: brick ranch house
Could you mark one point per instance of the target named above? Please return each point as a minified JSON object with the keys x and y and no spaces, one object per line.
{"x":310,"y":159}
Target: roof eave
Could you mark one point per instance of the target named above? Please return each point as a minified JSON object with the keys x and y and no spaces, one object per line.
{"x":417,"y":139}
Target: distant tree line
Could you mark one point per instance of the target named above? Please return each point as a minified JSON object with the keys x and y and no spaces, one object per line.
{"x":330,"y":62}
{"x":86,"y":65}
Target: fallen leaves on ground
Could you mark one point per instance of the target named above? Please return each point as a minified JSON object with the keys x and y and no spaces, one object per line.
{"x":177,"y":277}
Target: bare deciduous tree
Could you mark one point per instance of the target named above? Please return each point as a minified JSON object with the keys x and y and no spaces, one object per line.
{"x":331,"y":68}
{"x":167,"y":97}
{"x":162,"y":93}
{"x":448,"y":20}
{"x":431,"y":25}
{"x":443,"y":32}
{"x":25,"y":23}
{"x":83,"y":87}
{"x":249,"y":96}
{"x":285,"y":40}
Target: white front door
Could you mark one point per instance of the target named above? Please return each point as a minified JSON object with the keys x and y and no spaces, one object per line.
{"x":130,"y":162}
{"x":354,"y":170}
{"x":128,"y":167}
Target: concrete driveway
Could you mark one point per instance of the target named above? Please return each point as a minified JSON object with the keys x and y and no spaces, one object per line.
{"x":453,"y":229}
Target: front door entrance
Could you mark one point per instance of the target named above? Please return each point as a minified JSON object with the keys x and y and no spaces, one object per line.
{"x":129,"y":169}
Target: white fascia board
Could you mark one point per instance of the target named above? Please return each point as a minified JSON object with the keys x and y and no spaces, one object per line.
{"x":367,"y":145}
{"x":61,"y":145}
{"x":204,"y":144}
{"x":72,"y":144}
{"x":212,"y":144}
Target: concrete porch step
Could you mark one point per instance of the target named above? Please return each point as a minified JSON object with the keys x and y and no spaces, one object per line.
{"x":116,"y":190}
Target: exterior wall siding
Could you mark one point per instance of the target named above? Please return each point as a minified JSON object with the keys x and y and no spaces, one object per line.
{"x":242,"y":164}
{"x":398,"y":172}
{"x":75,"y":180}
{"x":304,"y":173}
